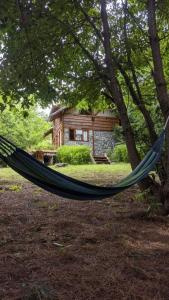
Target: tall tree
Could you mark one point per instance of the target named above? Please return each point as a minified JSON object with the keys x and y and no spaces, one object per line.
{"x":115,"y":89}
{"x":160,"y":82}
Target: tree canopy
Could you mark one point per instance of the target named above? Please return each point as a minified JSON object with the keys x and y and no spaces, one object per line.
{"x":54,"y":49}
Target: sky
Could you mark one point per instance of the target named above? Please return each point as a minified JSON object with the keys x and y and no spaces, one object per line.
{"x":44,"y":111}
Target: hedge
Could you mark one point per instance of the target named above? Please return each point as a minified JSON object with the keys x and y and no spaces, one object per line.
{"x":75,"y":155}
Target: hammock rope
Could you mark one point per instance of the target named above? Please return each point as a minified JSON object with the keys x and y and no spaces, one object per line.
{"x":65,"y":186}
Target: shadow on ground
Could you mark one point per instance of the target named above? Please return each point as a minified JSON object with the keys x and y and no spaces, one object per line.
{"x":51,"y":248}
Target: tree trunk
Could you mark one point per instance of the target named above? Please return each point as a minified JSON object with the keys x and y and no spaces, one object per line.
{"x":136,"y":93}
{"x":159,"y":78}
{"x":116,"y":91}
{"x":140,"y":105}
{"x":160,"y":83}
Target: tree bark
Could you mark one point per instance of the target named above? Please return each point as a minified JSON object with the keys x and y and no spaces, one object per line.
{"x":136,"y":93}
{"x":158,"y":74}
{"x":115,"y":90}
{"x":137,"y":100}
{"x":160,"y":83}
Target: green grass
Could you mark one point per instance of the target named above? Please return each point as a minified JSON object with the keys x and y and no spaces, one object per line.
{"x":78,"y":170}
{"x":9,"y":174}
{"x":99,"y":174}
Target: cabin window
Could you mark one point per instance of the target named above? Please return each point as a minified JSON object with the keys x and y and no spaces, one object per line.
{"x":78,"y":135}
{"x":85,"y":135}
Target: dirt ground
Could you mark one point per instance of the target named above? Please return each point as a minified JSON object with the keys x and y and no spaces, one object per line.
{"x":52,"y":248}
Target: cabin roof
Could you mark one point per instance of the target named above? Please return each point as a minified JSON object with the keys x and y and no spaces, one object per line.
{"x":56,"y":111}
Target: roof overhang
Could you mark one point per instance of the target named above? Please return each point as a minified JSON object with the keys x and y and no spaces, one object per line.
{"x":56,"y":111}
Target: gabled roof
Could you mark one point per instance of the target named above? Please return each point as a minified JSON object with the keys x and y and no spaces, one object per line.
{"x":56,"y":111}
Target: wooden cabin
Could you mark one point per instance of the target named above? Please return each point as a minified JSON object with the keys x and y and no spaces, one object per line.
{"x":73,"y":127}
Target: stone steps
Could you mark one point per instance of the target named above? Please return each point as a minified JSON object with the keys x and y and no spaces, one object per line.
{"x":101,"y":160}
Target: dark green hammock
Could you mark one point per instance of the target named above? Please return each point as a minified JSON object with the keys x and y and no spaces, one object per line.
{"x":65,"y":186}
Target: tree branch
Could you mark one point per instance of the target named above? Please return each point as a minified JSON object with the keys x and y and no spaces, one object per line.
{"x":89,"y":20}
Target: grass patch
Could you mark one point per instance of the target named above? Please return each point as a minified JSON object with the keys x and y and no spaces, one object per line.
{"x":9,"y":174}
{"x":90,"y":173}
{"x":97,"y":174}
{"x":120,"y":168}
{"x":15,"y":188}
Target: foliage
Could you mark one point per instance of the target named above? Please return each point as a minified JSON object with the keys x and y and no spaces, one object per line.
{"x":94,"y":106}
{"x":43,"y":56}
{"x":41,"y":61}
{"x":24,"y":131}
{"x":118,"y":134}
{"x":45,"y":144}
{"x":44,"y":59}
{"x":119,"y":153}
{"x":74,"y":155}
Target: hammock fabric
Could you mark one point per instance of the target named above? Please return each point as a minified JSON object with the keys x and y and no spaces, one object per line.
{"x":67,"y":187}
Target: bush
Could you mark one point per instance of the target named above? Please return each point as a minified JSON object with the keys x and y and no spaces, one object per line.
{"x":43,"y":145}
{"x":120,"y":154}
{"x":75,"y":155}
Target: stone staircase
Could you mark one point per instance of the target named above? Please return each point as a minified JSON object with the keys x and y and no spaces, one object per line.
{"x":101,"y":159}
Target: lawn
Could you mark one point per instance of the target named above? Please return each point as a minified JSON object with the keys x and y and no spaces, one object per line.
{"x":99,"y":174}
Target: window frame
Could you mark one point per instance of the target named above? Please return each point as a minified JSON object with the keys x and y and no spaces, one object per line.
{"x":74,"y":135}
{"x":87,"y":135}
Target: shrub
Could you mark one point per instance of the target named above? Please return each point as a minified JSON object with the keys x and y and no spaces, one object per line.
{"x":75,"y":155}
{"x":120,"y":154}
{"x":44,"y":145}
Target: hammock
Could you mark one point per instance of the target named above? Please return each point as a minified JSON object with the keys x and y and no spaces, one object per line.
{"x":62,"y":185}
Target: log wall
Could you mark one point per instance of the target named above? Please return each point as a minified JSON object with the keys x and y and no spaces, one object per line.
{"x":85,"y":121}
